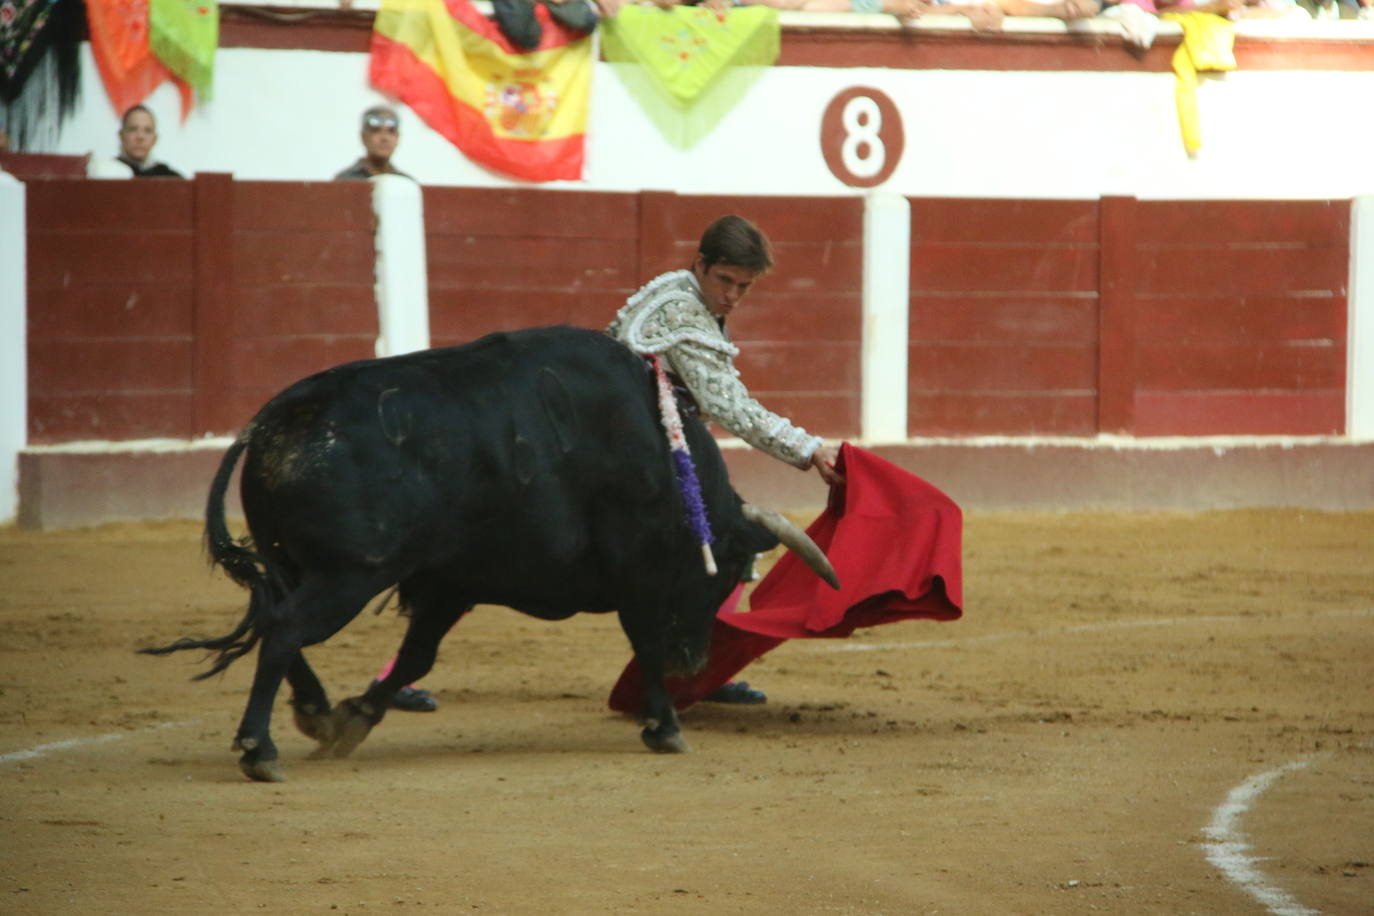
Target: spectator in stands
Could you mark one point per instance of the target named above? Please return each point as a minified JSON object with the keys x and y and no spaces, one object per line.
{"x":1052,"y":9}
{"x":983,"y":15}
{"x":1139,"y":23}
{"x":1230,"y":9}
{"x":516,"y":19}
{"x":1268,"y":9}
{"x":381,"y":132}
{"x":137,"y":137}
{"x":902,"y":9}
{"x":1338,"y":9}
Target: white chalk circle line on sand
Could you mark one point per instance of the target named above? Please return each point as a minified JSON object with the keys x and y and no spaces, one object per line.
{"x":1228,"y":851}
{"x":43,"y":750}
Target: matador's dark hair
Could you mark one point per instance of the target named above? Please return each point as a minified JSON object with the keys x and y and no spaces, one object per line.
{"x":735,"y":241}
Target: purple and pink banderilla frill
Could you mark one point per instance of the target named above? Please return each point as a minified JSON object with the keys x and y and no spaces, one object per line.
{"x":687,"y":483}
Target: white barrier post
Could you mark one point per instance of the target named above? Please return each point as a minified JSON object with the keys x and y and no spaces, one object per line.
{"x":13,"y":341}
{"x":886,"y":295}
{"x":402,"y":275}
{"x":1359,"y":341}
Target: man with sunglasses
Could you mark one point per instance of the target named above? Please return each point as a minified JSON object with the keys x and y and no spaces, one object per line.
{"x":381,"y":132}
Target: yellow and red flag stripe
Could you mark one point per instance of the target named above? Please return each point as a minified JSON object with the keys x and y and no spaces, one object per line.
{"x":523,"y":113}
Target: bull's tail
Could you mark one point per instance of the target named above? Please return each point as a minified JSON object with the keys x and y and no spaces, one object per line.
{"x":242,"y":564}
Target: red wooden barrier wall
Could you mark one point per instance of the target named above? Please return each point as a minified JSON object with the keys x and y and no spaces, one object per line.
{"x":110,"y":326}
{"x":1144,"y":317}
{"x":1240,"y":317}
{"x":176,"y":308}
{"x":304,"y":297}
{"x":503,"y":259}
{"x":1003,"y":322}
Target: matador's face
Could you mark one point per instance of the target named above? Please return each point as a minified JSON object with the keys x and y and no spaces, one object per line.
{"x":723,"y":285}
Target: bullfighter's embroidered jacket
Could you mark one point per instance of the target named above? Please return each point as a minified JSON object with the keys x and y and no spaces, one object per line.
{"x":668,"y":316}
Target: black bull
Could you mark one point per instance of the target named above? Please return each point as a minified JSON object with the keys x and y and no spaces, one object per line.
{"x":526,"y":469}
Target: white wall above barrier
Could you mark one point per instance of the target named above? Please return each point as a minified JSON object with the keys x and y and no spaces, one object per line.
{"x":293,"y":115}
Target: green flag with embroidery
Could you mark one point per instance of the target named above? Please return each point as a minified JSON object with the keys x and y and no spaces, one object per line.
{"x":689,"y":65}
{"x":184,"y":34}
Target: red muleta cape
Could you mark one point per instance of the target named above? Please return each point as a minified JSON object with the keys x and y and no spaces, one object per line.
{"x":896,"y":544}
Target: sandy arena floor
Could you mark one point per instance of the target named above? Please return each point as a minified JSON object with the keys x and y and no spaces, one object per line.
{"x":1145,"y":714}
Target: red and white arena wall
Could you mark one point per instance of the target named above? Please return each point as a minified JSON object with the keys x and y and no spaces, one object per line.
{"x":1112,"y":353}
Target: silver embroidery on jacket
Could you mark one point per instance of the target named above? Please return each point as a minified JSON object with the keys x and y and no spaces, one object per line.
{"x":667,"y":316}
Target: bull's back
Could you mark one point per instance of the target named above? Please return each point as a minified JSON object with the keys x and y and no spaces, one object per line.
{"x":456,"y":448}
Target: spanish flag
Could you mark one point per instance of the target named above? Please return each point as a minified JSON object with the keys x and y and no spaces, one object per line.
{"x":523,"y":113}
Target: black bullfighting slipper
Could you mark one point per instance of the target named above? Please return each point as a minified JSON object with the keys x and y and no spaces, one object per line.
{"x":413,"y":699}
{"x":736,"y":692}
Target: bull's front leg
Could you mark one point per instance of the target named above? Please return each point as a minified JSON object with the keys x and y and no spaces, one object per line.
{"x":661,"y":730}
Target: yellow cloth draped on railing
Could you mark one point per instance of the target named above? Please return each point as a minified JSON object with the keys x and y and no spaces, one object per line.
{"x":689,"y":65}
{"x":1207,"y":45}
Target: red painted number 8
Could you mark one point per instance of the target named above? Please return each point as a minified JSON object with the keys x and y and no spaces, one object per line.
{"x":861,"y":137}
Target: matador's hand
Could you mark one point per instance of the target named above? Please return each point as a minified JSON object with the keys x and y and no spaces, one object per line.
{"x":823,"y":460}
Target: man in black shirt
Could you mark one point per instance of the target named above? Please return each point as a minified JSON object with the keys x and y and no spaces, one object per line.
{"x":137,"y":136}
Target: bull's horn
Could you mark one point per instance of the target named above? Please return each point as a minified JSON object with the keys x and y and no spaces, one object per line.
{"x":795,"y":539}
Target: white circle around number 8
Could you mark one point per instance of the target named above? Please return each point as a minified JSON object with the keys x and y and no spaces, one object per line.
{"x":862,"y":121}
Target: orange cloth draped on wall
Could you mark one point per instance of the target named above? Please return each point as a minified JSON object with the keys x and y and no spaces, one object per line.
{"x":119,"y":44}
{"x":523,"y":113}
{"x":896,"y":543}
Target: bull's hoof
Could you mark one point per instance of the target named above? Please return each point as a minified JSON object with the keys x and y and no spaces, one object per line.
{"x":315,"y":724}
{"x":672,"y":743}
{"x":349,"y":725}
{"x":261,"y":770}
